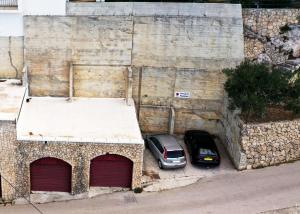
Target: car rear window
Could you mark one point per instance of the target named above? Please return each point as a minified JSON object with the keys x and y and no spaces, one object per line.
{"x":175,"y":154}
{"x":204,"y":151}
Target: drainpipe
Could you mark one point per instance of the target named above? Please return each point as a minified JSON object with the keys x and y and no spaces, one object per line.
{"x":71,"y":82}
{"x":25,"y":76}
{"x":171,"y":120}
{"x":25,"y":80}
{"x":129,"y":86}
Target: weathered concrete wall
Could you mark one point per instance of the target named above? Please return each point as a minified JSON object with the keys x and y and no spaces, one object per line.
{"x":78,"y":155}
{"x":100,"y":81}
{"x":11,"y":56}
{"x":93,"y":41}
{"x":171,"y":47}
{"x":158,"y":86}
{"x":262,"y":32}
{"x":187,"y":42}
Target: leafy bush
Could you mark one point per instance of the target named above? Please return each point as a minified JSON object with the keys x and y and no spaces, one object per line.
{"x":264,"y":3}
{"x":285,"y":28}
{"x":138,"y":190}
{"x":298,"y":18}
{"x":253,"y":87}
{"x":293,"y":101}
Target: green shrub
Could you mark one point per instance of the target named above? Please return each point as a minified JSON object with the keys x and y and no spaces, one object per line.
{"x":285,"y":28}
{"x":253,"y":87}
{"x":138,"y":190}
{"x":263,"y":3}
{"x":245,"y":87}
{"x":298,"y":18}
{"x":293,"y":100}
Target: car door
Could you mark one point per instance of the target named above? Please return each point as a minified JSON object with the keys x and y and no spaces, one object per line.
{"x":157,"y":147}
{"x":151,"y":145}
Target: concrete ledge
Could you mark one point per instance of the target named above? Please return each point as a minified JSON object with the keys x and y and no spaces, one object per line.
{"x":154,"y":9}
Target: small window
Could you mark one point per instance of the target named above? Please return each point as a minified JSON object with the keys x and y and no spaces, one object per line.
{"x":157,"y":144}
{"x":8,"y":4}
{"x":204,"y":151}
{"x":175,"y":154}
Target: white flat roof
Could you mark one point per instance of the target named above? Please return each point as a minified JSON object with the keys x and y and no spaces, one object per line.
{"x":99,"y":120}
{"x":11,"y":96}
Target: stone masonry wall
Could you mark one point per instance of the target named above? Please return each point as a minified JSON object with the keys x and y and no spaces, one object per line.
{"x":78,"y":155}
{"x":261,"y":30}
{"x":271,"y":143}
{"x":16,"y":156}
{"x":11,"y":56}
{"x":8,"y":145}
{"x":262,"y":144}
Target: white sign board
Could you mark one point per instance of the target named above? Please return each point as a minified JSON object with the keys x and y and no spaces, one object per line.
{"x":183,"y":94}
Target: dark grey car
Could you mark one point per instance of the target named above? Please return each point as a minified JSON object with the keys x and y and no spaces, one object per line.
{"x":167,"y":151}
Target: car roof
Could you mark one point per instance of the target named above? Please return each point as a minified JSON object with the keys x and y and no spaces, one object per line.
{"x":168,"y":141}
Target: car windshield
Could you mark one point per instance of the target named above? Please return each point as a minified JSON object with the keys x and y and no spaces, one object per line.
{"x":175,"y":154}
{"x":204,"y":151}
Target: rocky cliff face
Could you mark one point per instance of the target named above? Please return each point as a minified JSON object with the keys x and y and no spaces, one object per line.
{"x":273,"y":36}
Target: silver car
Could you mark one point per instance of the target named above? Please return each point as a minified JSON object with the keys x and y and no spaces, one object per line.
{"x":166,"y":151}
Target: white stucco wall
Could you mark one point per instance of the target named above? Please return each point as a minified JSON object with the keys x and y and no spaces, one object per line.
{"x":11,"y":21}
{"x":11,"y":24}
{"x":44,"y":7}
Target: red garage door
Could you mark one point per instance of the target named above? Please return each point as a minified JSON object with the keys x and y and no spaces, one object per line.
{"x":111,"y":171}
{"x":50,"y":174}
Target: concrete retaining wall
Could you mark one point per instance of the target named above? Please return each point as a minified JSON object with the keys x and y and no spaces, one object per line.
{"x":171,"y":47}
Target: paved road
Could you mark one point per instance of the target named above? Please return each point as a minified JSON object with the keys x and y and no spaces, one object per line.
{"x":241,"y":192}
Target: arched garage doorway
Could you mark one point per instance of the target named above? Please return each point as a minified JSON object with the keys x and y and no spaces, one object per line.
{"x":111,"y":171}
{"x":50,"y":174}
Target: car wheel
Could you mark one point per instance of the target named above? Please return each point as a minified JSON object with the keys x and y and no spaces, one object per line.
{"x":160,"y":164}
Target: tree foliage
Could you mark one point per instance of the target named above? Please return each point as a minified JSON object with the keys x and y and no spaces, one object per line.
{"x":264,"y":3}
{"x":293,"y":101}
{"x":253,"y":87}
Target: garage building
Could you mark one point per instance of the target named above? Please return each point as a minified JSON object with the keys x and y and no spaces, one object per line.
{"x":72,"y":146}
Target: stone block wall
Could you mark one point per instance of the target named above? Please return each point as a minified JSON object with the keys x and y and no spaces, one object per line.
{"x":11,"y":57}
{"x":262,"y":30}
{"x":78,"y":155}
